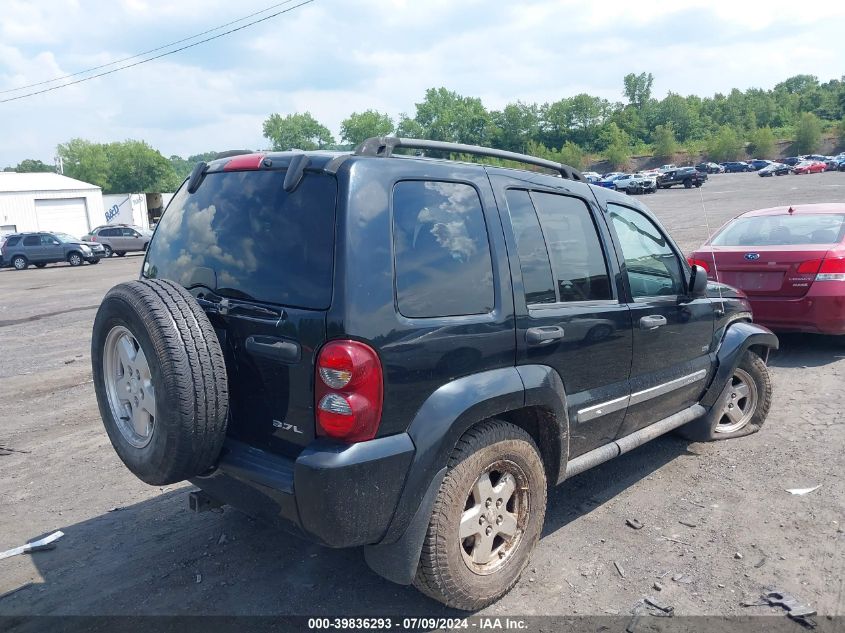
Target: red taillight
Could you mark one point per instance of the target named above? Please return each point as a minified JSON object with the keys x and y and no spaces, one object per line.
{"x":93,"y":238}
{"x":348,"y":391}
{"x":244,"y":162}
{"x":810,"y":267}
{"x":827,"y":269}
{"x":699,"y":262}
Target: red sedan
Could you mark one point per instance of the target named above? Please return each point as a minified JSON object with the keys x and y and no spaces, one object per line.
{"x":789,"y":261}
{"x":809,"y":167}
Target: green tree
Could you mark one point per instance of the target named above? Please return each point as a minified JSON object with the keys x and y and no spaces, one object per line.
{"x":840,"y":129}
{"x":182,"y":166}
{"x":724,"y":145}
{"x":125,"y":167}
{"x":808,"y":135}
{"x":762,"y":142}
{"x":572,"y":155}
{"x":85,"y":161}
{"x":665,"y":144}
{"x":638,"y":88}
{"x":31,"y":165}
{"x":618,"y":147}
{"x":409,"y":128}
{"x":296,"y":131}
{"x":134,"y":166}
{"x":359,"y":126}
{"x":515,"y":126}
{"x":444,"y":115}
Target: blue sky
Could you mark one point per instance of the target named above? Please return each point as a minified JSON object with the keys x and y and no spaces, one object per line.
{"x":333,"y":57}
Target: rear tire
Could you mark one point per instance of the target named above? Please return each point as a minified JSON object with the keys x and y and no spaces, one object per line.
{"x":40,"y":265}
{"x":687,"y":184}
{"x":108,"y":250}
{"x":20,"y":262}
{"x":160,"y":380}
{"x":742,"y":407}
{"x":495,"y":474}
{"x":120,"y":253}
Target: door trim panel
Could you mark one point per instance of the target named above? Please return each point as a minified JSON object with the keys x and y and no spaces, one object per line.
{"x":617,"y":404}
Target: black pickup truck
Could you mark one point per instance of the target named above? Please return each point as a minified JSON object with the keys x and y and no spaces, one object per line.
{"x":686,"y":176}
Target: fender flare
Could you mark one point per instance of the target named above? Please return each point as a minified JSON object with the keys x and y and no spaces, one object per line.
{"x":738,"y":337}
{"x":435,"y":430}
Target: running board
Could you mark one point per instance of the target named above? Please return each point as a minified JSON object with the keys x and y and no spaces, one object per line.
{"x":630,"y":442}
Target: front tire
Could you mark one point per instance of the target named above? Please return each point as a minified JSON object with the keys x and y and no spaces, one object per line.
{"x":75,"y":259}
{"x":120,"y":253}
{"x":742,"y":407}
{"x":487,"y":517}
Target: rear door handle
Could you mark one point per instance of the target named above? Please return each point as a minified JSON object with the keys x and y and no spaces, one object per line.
{"x":543,"y":335}
{"x":652,"y":322}
{"x":274,"y":348}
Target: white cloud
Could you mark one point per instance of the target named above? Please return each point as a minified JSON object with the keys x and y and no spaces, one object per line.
{"x":333,"y":57}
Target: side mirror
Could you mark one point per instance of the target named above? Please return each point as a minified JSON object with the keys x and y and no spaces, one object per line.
{"x":698,"y":282}
{"x":56,"y":242}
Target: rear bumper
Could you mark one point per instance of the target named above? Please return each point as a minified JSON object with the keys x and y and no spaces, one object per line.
{"x":337,"y":495}
{"x":820,"y":311}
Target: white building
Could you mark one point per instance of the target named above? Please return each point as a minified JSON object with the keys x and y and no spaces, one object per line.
{"x":49,"y":202}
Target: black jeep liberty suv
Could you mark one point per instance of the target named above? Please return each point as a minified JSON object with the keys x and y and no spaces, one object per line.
{"x":402,"y":352}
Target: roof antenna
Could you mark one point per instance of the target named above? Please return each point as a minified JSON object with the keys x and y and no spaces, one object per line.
{"x":721,"y":309}
{"x":790,"y":211}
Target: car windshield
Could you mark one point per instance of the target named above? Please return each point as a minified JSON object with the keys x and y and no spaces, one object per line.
{"x":783,"y":230}
{"x":65,"y":238}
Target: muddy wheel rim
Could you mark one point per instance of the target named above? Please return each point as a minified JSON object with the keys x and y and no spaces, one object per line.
{"x":129,"y":387}
{"x":740,"y":403}
{"x":495,"y":515}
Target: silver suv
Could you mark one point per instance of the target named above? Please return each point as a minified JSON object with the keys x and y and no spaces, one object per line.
{"x":120,"y":238}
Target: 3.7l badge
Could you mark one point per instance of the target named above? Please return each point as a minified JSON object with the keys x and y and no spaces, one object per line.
{"x":286,"y":426}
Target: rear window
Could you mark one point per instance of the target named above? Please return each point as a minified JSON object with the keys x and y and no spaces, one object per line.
{"x":242,"y":233}
{"x":783,"y":230}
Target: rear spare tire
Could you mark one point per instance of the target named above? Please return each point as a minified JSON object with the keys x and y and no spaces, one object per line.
{"x":160,"y":380}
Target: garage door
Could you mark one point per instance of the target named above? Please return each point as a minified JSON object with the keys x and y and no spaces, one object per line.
{"x":66,"y":215}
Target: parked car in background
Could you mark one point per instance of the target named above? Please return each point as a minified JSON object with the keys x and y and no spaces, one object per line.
{"x":734,"y":166}
{"x":791,"y":160}
{"x":775,"y":169}
{"x":20,"y":250}
{"x":119,"y":239}
{"x":609,"y":180}
{"x":818,"y":157}
{"x":710,"y":168}
{"x":591,"y":176}
{"x":686,"y":176}
{"x":635,"y":183}
{"x":809,"y":167}
{"x":789,"y":261}
{"x":757,"y":164}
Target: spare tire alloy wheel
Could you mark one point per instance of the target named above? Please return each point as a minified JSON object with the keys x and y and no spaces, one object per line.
{"x":160,"y":380}
{"x":129,"y":386}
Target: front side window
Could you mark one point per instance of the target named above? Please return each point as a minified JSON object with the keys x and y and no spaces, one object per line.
{"x":442,"y":255}
{"x":653,"y":267}
{"x":578,"y":263}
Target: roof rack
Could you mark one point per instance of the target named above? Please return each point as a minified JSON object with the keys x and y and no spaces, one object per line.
{"x":383,"y":146}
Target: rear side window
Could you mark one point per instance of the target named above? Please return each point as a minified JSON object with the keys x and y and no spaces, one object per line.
{"x":13,"y":241}
{"x":32,"y":240}
{"x":242,"y":233}
{"x":442,"y":256}
{"x":575,"y":250}
{"x":533,"y":256}
{"x":783,"y":230}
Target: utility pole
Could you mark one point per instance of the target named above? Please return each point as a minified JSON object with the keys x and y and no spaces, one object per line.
{"x":60,"y":165}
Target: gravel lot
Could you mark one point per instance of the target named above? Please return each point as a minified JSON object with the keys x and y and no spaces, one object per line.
{"x":134,"y":549}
